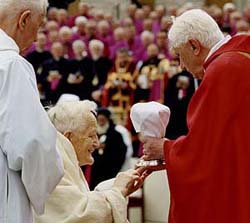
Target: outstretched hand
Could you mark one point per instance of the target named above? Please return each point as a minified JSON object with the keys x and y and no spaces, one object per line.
{"x":130,"y":181}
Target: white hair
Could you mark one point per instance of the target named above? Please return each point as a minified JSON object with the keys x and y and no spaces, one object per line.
{"x":229,"y":6}
{"x":81,"y":20}
{"x":194,"y":24}
{"x":65,"y":29}
{"x":119,"y":31}
{"x":71,"y":115}
{"x":12,"y":7}
{"x":78,"y":43}
{"x":96,"y":42}
{"x":103,"y":23}
{"x":147,"y":34}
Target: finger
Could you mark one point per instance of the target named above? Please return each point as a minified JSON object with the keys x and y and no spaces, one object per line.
{"x":138,"y":184}
{"x":141,"y":170}
{"x":146,"y":174}
{"x":145,"y":157}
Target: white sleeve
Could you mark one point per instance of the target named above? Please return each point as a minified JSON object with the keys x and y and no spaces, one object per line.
{"x":68,"y":204}
{"x":28,"y":137}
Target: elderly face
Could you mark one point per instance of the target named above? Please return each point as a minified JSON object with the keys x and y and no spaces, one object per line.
{"x":189,"y":60}
{"x":57,"y":50}
{"x":152,"y":51}
{"x":119,"y":34}
{"x":31,"y":25}
{"x":160,"y":10}
{"x":96,"y":52}
{"x":41,"y":40}
{"x":90,"y":28}
{"x":52,"y":26}
{"x":148,"y":24}
{"x":79,"y":48}
{"x":52,"y":14}
{"x":65,"y":34}
{"x":146,"y":40}
{"x":165,"y":23}
{"x":146,"y":10}
{"x":83,"y":8}
{"x":161,"y":39}
{"x":53,"y":36}
{"x":62,"y":15}
{"x":103,"y":28}
{"x":85,"y":141}
{"x":131,"y":10}
{"x":130,"y":32}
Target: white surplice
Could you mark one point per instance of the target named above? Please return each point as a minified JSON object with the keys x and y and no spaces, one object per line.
{"x":30,"y":165}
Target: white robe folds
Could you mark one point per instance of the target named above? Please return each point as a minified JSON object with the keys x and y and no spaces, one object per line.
{"x":30,"y":165}
{"x":72,"y":202}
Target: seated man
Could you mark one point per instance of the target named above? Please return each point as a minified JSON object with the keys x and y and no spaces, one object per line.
{"x":71,"y":201}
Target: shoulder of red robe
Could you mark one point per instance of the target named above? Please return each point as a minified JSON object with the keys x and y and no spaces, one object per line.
{"x":239,"y":43}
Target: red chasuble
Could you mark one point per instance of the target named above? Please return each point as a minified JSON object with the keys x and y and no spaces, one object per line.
{"x":209,"y":168}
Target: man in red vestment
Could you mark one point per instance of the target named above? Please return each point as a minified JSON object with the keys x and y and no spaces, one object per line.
{"x":209,"y":168}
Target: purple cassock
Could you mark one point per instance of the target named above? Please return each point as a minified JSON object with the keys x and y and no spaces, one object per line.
{"x":78,"y":36}
{"x":118,"y":45}
{"x":139,"y":25}
{"x":134,"y":43}
{"x":140,"y":54}
{"x":156,"y":27}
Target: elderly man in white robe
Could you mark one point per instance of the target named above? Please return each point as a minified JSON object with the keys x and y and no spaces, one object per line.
{"x":71,"y":201}
{"x":30,"y":165}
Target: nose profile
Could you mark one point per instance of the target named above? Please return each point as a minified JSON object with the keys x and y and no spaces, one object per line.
{"x":96,"y":142}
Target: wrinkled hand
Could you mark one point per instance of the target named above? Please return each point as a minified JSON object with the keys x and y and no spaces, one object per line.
{"x":152,"y":148}
{"x":129,"y":181}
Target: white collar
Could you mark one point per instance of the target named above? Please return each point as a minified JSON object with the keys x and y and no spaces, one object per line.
{"x":7,"y":43}
{"x":218,"y":45}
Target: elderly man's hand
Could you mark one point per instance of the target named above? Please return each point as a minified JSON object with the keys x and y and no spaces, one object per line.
{"x":130,"y":181}
{"x":152,"y":148}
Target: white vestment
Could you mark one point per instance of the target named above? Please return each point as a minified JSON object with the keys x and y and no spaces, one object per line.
{"x":72,"y":202}
{"x":30,"y":165}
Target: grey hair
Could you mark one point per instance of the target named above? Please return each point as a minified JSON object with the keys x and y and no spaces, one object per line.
{"x":96,"y":42}
{"x":194,"y":24}
{"x":81,"y":19}
{"x":229,"y":6}
{"x":78,"y":43}
{"x":71,"y":115}
{"x":65,"y":29}
{"x":147,"y":34}
{"x":13,"y":8}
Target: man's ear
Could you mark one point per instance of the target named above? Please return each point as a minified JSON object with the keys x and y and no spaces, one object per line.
{"x":24,"y":19}
{"x":67,"y":134}
{"x":195,"y":46}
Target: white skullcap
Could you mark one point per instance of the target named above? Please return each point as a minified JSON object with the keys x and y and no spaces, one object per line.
{"x":68,"y":97}
{"x":150,"y":118}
